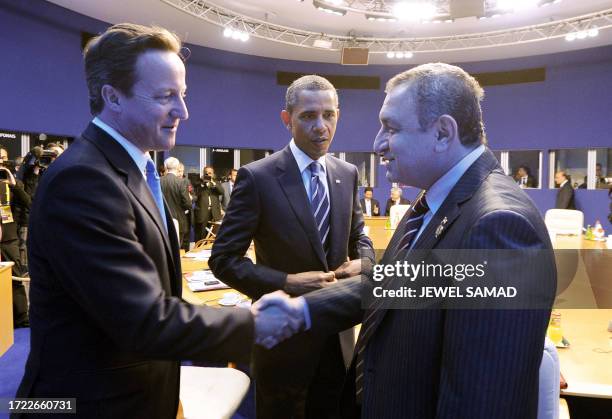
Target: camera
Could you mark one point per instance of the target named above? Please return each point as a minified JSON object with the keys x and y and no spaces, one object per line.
{"x":46,"y":158}
{"x":4,"y":173}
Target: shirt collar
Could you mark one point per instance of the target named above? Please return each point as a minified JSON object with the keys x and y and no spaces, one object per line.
{"x":564,"y":182}
{"x":302,"y":159}
{"x":443,"y":186}
{"x":140,"y":158}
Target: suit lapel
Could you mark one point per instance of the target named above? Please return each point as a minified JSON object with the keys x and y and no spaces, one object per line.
{"x":291,"y":183}
{"x":123,"y":164}
{"x":338,"y":190}
{"x":444,"y":217}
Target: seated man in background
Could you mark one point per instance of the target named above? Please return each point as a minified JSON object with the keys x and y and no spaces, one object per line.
{"x":523,"y":177}
{"x":565,"y":195}
{"x":395,"y":199}
{"x":369,"y":205}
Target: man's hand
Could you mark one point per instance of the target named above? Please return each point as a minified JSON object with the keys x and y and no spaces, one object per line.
{"x":277,"y":317}
{"x":348,"y":269}
{"x":303,"y":282}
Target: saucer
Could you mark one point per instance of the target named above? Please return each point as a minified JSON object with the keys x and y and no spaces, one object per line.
{"x":228,"y":303}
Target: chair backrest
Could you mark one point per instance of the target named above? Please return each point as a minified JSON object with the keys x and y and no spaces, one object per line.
{"x":563,"y":221}
{"x":176,"y":228}
{"x":397,"y":213}
{"x":549,"y":390}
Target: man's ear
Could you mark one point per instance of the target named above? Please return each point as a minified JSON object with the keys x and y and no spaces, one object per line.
{"x":111,"y":98}
{"x":446,"y":132}
{"x":286,"y":118}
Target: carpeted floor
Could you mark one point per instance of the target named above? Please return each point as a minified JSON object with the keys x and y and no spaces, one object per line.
{"x":12,"y":364}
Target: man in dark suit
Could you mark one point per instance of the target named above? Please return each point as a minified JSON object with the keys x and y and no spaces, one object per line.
{"x":565,"y":196}
{"x":396,"y":198}
{"x":434,"y":362}
{"x":108,"y":325}
{"x":369,"y":205}
{"x":208,"y":202}
{"x":176,"y":194}
{"x":301,"y":208}
{"x":524,"y":178}
{"x":228,"y":188}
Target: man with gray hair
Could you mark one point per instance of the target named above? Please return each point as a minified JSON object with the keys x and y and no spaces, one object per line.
{"x":428,"y":361}
{"x":301,"y":208}
{"x":176,"y":194}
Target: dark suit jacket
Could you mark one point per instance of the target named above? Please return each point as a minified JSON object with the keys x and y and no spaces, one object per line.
{"x":531,"y":183}
{"x":390,"y":203}
{"x":208,"y":209}
{"x":270,"y":206}
{"x":108,"y":325}
{"x":374,"y":204}
{"x":436,"y":363}
{"x":177,"y":198}
{"x":565,"y":197}
{"x":227,"y":193}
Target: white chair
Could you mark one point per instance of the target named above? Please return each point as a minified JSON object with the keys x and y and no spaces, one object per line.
{"x":397,"y":213}
{"x":550,"y":406}
{"x":176,"y":228}
{"x":562,"y":221}
{"x":212,"y":393}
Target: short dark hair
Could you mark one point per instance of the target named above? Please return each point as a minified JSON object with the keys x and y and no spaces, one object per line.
{"x":310,"y":82}
{"x":444,"y":89}
{"x":368,"y":189}
{"x":110,"y":58}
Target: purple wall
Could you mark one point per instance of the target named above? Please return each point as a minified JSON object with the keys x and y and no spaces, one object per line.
{"x":234,"y":100}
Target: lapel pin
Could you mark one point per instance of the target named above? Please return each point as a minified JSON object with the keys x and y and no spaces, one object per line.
{"x":337,"y":180}
{"x":440,"y":228}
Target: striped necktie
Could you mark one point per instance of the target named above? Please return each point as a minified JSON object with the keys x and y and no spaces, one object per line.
{"x":155,"y":187}
{"x":373,"y":314}
{"x":319,"y":201}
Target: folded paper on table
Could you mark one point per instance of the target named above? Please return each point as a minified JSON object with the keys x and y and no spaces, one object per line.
{"x":203,"y":281}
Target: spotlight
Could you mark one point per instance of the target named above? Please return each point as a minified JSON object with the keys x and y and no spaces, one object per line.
{"x":581,"y":35}
{"x":593,"y":32}
{"x":390,"y":54}
{"x":414,"y":10}
{"x":570,"y":37}
{"x":328,"y":8}
{"x":227,"y":32}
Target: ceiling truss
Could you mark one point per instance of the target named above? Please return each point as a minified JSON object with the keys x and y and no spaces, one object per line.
{"x":223,"y":18}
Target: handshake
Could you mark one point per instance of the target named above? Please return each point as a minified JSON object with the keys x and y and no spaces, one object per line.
{"x":277,"y":317}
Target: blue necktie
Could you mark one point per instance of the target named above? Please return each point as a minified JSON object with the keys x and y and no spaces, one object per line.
{"x":155,"y":187}
{"x":319,"y":202}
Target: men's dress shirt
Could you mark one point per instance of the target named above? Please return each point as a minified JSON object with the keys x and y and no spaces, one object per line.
{"x":303,"y":162}
{"x":140,"y":158}
{"x":368,"y":208}
{"x":438,"y":192}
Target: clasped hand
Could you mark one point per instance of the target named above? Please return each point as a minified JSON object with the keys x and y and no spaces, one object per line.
{"x":277,"y":317}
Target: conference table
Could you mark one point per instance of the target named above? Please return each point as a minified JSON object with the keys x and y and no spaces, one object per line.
{"x":586,"y":364}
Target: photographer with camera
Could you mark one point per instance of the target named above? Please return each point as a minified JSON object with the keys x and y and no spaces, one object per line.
{"x":208,"y":204}
{"x":31,"y":168}
{"x":13,"y":202}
